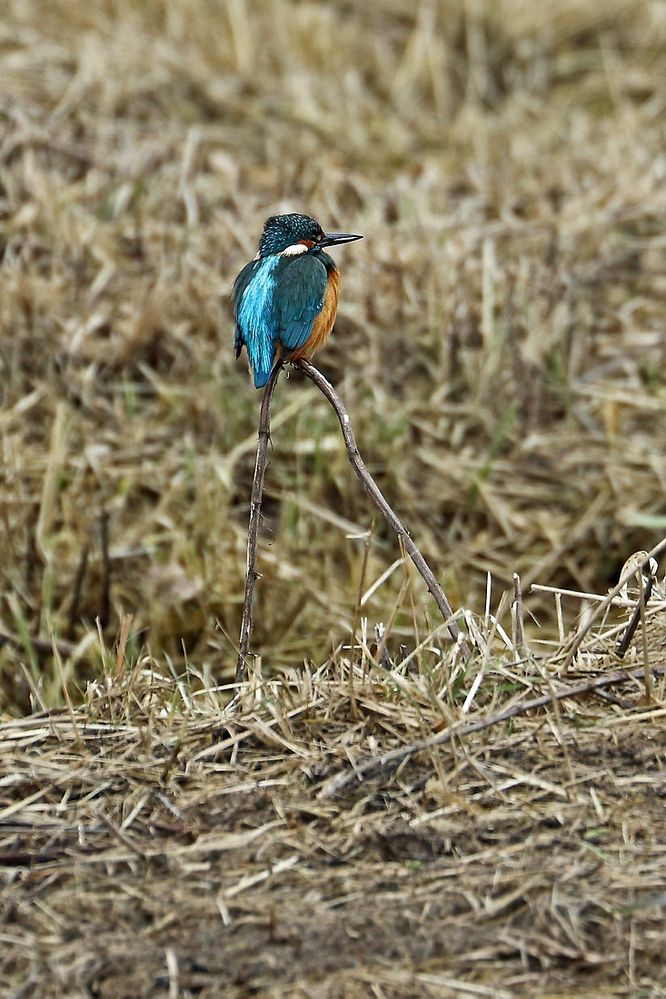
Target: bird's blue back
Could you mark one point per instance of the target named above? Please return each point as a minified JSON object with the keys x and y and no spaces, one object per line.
{"x":276,"y":300}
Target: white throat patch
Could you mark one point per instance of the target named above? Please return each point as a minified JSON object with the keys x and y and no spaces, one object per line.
{"x":294,"y":250}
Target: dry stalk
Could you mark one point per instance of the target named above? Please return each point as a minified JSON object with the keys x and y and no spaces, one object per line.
{"x":77,"y":589}
{"x":370,"y":487}
{"x":639,"y":613}
{"x":105,"y":602}
{"x":577,"y":640}
{"x":518,"y":615}
{"x":261,"y":461}
{"x":395,"y":757}
{"x":380,"y":502}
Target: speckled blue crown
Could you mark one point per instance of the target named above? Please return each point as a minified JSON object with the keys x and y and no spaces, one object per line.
{"x":282,"y":231}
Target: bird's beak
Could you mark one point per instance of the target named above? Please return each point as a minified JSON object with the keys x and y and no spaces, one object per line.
{"x":332,"y":238}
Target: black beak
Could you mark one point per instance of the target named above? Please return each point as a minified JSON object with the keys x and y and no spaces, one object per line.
{"x":332,"y":238}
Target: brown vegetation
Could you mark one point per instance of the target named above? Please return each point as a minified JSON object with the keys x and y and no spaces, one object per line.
{"x":501,"y":349}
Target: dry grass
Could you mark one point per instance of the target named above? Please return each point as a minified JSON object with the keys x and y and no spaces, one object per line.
{"x":501,"y":348}
{"x":155,"y":843}
{"x":501,"y":340}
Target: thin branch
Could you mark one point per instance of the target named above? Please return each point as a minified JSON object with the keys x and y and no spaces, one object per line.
{"x":517,"y":615}
{"x":577,"y":640}
{"x":639,"y":612}
{"x":646,"y":653}
{"x":261,"y":461}
{"x":31,"y":555}
{"x":394,"y":758}
{"x":105,"y":599}
{"x":375,"y":494}
{"x":78,"y":589}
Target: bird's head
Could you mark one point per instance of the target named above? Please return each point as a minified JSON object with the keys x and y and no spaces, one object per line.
{"x":293,"y":233}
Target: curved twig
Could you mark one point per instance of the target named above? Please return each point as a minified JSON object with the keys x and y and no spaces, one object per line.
{"x":575,"y":643}
{"x":638,"y":613}
{"x":395,"y":757}
{"x":263,"y":434}
{"x":380,"y":502}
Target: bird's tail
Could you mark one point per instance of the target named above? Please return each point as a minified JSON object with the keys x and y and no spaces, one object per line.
{"x":261,"y":376}
{"x":262,"y":370}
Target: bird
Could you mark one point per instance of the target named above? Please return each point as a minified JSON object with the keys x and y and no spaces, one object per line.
{"x":286,"y":299}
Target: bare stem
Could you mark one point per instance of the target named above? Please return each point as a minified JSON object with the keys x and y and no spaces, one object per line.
{"x":78,"y":589}
{"x":575,"y":643}
{"x":375,"y":494}
{"x":263,"y":434}
{"x":518,"y":616}
{"x":638,"y":614}
{"x":105,"y":602}
{"x":391,"y":760}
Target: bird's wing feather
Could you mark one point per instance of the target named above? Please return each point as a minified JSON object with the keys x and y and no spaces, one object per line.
{"x":239,"y":286}
{"x":298,"y":298}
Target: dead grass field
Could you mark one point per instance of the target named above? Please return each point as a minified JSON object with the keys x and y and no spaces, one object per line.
{"x":501,"y":347}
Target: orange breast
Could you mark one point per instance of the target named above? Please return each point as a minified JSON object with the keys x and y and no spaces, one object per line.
{"x":323,"y":324}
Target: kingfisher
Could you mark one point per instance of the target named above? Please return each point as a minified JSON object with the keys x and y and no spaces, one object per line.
{"x":285,"y":300}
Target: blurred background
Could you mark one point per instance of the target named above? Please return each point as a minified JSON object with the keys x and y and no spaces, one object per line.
{"x":500,"y":344}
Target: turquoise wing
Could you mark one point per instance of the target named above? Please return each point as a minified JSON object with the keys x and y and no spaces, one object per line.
{"x":254,"y":298}
{"x":298,"y":298}
{"x":238,"y":290}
